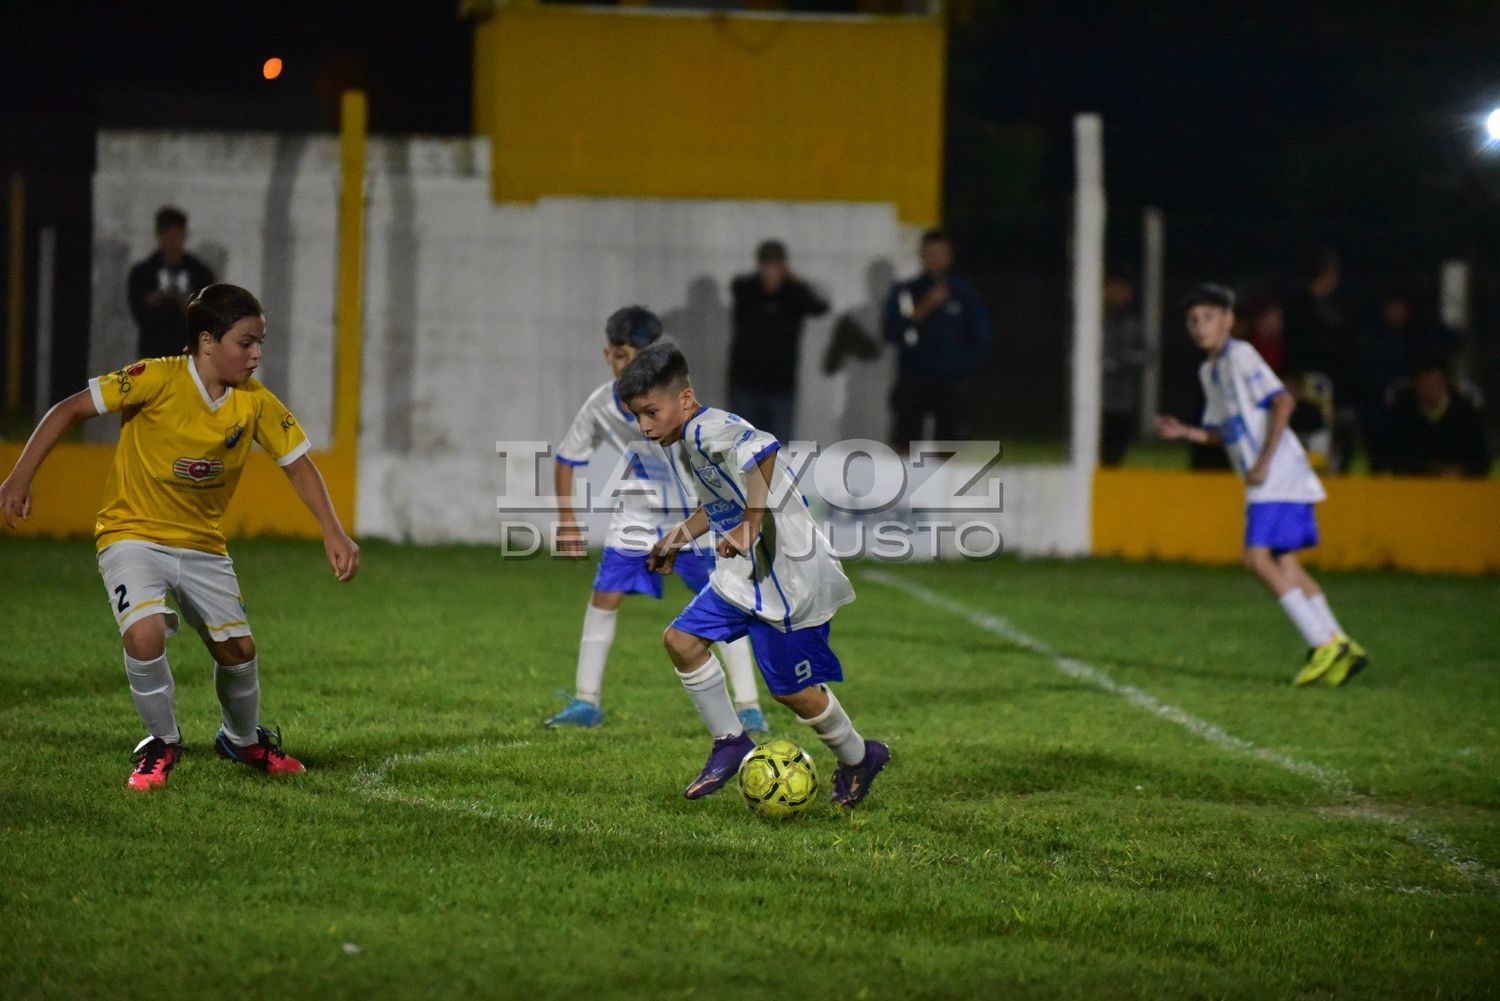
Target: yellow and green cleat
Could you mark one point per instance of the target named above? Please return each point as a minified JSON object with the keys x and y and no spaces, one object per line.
{"x":1320,"y":660}
{"x":1351,"y":663}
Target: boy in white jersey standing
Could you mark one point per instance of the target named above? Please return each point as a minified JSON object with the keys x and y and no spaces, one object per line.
{"x":635,"y":527}
{"x":1247,"y":412}
{"x":776,"y":580}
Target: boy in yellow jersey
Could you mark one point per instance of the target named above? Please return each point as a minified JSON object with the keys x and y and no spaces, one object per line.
{"x":186,"y":424}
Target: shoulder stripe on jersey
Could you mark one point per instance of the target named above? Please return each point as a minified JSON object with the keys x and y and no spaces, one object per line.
{"x":774,"y":446}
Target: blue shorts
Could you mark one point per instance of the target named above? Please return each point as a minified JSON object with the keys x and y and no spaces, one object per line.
{"x":789,"y":662}
{"x":1281,"y":526}
{"x":626,"y":572}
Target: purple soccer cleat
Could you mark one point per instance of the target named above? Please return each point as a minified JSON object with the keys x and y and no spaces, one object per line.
{"x":852,"y":784}
{"x":723,"y":764}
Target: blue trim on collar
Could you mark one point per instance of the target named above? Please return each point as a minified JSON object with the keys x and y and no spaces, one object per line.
{"x":614,"y":390}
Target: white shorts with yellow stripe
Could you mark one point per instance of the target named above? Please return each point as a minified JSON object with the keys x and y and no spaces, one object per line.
{"x":140,"y":575}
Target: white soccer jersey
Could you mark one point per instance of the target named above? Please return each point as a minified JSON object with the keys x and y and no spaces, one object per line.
{"x":1238,"y":386}
{"x":792,"y":580}
{"x":638,"y":521}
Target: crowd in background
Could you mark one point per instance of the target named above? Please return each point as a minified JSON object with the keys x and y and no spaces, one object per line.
{"x":1385,"y":385}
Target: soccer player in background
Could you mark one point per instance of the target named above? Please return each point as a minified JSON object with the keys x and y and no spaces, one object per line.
{"x":776,"y":580}
{"x":186,"y":426}
{"x":636,"y":525}
{"x":1247,"y":411}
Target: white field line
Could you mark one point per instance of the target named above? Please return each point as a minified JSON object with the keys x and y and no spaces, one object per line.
{"x":1335,"y":783}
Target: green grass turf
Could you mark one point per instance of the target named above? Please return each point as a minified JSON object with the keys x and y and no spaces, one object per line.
{"x":1034,"y":837}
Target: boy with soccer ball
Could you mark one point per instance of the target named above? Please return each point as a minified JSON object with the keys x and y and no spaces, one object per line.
{"x":1247,"y":411}
{"x":776,"y":580}
{"x":636,"y":525}
{"x":186,"y":426}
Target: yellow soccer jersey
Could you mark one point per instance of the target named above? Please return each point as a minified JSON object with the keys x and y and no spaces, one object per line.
{"x":181,"y":454}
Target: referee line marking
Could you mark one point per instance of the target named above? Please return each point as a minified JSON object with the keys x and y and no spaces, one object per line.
{"x":1333,"y":782}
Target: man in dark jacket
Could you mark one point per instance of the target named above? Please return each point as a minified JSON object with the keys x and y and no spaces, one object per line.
{"x":770,"y":305}
{"x":161,"y":285}
{"x":1436,"y":431}
{"x":942,"y":331}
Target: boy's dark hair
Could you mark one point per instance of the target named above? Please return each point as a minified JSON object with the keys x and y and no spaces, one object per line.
{"x":770,"y":251}
{"x":170,"y":217}
{"x":936,"y":235}
{"x":1209,"y":294}
{"x":1431,"y":360}
{"x":215,"y":309}
{"x":660,"y":366}
{"x":1316,"y":262}
{"x":636,"y":326}
{"x":1117,"y":270}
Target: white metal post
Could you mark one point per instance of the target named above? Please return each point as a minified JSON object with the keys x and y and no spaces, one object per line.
{"x":46,"y":263}
{"x":1153,"y":255}
{"x":1088,"y":312}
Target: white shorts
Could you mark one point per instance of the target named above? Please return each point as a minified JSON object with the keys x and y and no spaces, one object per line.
{"x":139,"y":575}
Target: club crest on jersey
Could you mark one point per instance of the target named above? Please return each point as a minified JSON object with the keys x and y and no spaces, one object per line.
{"x":710,"y":476}
{"x":233,"y":435}
{"x":197,"y":470}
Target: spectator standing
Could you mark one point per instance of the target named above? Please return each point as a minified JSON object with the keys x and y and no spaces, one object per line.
{"x":1126,"y":355}
{"x":942,"y":331}
{"x":1320,"y":342}
{"x":1436,"y":431}
{"x":160,"y":287}
{"x":770,"y":306}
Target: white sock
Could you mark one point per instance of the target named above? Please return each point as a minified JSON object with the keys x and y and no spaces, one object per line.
{"x":593,"y":650}
{"x":1319,"y":603}
{"x":706,"y":685}
{"x":834,"y":729}
{"x":238,"y":686}
{"x":741,"y":670}
{"x":1305,"y":617}
{"x":154,"y":694}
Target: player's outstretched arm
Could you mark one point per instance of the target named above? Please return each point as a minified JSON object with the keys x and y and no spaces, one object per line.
{"x":675,"y":539}
{"x":1169,"y":428}
{"x":571,"y":540}
{"x":1282,"y":406}
{"x":343,"y":552}
{"x":15,"y":492}
{"x":741,"y":539}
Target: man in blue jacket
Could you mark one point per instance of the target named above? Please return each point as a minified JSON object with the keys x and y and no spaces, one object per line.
{"x":942,"y":331}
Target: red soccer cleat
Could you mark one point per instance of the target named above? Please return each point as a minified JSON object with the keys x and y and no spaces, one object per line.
{"x":154,"y":758}
{"x":265,"y":754}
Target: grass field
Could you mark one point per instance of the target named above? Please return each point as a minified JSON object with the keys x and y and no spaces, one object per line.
{"x":1150,"y":810}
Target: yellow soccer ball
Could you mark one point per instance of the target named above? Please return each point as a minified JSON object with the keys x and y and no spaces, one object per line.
{"x":778,"y":780}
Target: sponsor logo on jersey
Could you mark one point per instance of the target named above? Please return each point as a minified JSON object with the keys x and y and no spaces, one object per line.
{"x":136,"y":369}
{"x":232,"y":436}
{"x":197,"y":470}
{"x":288,"y":421}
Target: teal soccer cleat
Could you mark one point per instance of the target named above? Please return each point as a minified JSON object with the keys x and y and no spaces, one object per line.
{"x":576,"y":713}
{"x":753,"y":720}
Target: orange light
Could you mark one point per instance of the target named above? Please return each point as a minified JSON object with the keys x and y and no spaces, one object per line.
{"x":272,"y":69}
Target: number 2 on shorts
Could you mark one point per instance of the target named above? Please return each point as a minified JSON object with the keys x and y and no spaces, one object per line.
{"x":123,"y":604}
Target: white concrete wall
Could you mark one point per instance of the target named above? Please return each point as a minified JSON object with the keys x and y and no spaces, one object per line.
{"x":483,"y":321}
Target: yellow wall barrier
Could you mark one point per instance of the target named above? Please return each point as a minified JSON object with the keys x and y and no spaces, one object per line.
{"x":1427,"y":525}
{"x":633,"y":103}
{"x":69,"y":490}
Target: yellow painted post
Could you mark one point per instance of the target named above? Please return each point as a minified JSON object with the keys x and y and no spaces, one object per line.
{"x":349,"y":329}
{"x":17,"y":273}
